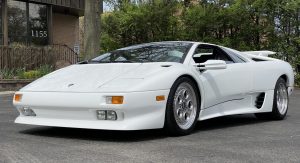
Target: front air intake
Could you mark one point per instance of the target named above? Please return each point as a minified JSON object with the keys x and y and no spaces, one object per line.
{"x":260,"y":100}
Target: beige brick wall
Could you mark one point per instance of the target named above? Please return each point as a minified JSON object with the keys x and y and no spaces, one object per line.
{"x":65,"y":29}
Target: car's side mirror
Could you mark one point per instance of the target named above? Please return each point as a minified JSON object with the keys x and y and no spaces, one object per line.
{"x":211,"y":65}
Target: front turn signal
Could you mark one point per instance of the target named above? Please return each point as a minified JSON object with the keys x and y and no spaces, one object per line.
{"x":18,"y":97}
{"x":114,"y":99}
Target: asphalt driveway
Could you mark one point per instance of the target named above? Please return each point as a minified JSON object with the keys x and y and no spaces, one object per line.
{"x":231,"y":139}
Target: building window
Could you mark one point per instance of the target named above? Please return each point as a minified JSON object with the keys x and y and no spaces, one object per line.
{"x":38,"y":24}
{"x":17,"y":23}
{"x":27,"y":23}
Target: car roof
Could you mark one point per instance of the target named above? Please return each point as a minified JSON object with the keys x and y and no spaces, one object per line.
{"x":191,"y":42}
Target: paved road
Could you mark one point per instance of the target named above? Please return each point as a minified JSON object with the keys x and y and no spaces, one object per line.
{"x":228,"y":139}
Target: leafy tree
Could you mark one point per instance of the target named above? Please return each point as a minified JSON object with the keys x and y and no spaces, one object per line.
{"x":240,"y":24}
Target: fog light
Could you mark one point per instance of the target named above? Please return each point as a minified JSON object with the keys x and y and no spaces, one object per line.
{"x":101,"y":114}
{"x":111,"y":115}
{"x":26,"y":111}
{"x":106,"y":115}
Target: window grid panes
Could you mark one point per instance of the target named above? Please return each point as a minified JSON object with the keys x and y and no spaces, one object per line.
{"x":38,"y":24}
{"x":17,"y":23}
{"x":27,"y":23}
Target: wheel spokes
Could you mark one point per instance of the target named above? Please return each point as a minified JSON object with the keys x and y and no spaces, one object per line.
{"x":185,"y":102}
{"x":282,"y":98}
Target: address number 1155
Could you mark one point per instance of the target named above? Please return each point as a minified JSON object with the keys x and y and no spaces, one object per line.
{"x":37,"y":33}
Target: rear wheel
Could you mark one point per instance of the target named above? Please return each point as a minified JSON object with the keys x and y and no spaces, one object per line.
{"x":183,"y":107}
{"x":280,"y":102}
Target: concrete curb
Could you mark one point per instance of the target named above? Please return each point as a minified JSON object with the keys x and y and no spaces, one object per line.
{"x":13,"y":84}
{"x":7,"y":93}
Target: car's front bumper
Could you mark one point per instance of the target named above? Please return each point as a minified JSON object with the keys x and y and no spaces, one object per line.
{"x":140,"y":110}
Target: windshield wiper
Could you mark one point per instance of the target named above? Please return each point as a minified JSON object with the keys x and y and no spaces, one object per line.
{"x":127,"y":61}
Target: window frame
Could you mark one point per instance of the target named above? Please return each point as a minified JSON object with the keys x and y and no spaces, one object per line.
{"x":237,"y":57}
{"x":187,"y":45}
{"x":28,"y":38}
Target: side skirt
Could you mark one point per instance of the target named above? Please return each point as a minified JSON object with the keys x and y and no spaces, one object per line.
{"x":242,"y":105}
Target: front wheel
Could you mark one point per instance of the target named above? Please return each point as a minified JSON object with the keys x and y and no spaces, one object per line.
{"x":280,"y":102}
{"x":183,"y":107}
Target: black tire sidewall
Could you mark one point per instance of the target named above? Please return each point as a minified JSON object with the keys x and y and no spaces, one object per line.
{"x":170,"y":123}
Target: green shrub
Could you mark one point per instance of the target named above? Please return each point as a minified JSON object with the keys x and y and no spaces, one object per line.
{"x":7,"y":74}
{"x":297,"y":80}
{"x":10,"y":73}
{"x":44,"y":70}
{"x":33,"y":74}
{"x":39,"y":72}
{"x":23,"y":74}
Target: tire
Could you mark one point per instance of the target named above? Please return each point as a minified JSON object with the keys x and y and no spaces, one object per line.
{"x":280,"y":102}
{"x":183,"y":107}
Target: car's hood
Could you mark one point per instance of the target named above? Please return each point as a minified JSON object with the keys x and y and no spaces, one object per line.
{"x":92,"y":77}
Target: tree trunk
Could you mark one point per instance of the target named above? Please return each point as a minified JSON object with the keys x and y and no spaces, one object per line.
{"x":92,"y":28}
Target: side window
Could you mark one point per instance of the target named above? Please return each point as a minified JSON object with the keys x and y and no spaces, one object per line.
{"x":221,"y":55}
{"x":204,"y":53}
{"x":234,"y":55}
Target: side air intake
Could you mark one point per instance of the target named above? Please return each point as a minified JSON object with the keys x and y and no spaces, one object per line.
{"x":260,"y":100}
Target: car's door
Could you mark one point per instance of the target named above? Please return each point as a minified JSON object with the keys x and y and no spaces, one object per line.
{"x":223,"y":85}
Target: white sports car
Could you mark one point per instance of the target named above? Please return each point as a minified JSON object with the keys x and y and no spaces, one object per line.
{"x":169,"y":85}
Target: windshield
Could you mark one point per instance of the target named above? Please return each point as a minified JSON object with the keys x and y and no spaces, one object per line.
{"x":152,"y":52}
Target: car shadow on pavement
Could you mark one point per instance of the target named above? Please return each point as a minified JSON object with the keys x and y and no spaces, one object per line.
{"x":97,"y":135}
{"x":228,"y":121}
{"x":142,"y":135}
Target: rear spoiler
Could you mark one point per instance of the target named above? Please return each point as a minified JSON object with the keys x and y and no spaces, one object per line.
{"x":264,"y":53}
